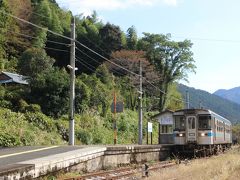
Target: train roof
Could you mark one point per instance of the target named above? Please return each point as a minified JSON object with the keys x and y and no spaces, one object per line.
{"x":200,"y":111}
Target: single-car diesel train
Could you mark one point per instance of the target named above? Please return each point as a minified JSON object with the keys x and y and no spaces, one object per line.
{"x":201,"y":131}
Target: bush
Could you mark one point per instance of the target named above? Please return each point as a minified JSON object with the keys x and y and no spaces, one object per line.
{"x":84,"y":136}
{"x":33,"y":108}
{"x":18,"y":129}
{"x":22,"y":105}
{"x":7,"y":140}
{"x":41,"y":121}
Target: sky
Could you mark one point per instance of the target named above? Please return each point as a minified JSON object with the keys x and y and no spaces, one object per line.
{"x":213,"y":26}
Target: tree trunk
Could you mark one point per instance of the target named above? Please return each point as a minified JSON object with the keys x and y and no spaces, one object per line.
{"x":163,"y":96}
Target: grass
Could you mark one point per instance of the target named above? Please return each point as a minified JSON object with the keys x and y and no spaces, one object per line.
{"x":223,"y":167}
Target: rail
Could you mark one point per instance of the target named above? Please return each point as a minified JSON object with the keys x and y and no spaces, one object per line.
{"x":124,"y":172}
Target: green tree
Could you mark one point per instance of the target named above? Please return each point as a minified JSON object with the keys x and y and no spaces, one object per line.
{"x":124,"y":40}
{"x":35,"y":61}
{"x":101,"y":95}
{"x":42,"y":8}
{"x":174,"y":98}
{"x":111,"y":38}
{"x":83,"y":96}
{"x":42,"y":17}
{"x":172,"y":60}
{"x":104,"y":75}
{"x":4,"y":25}
{"x":51,"y":91}
{"x":132,"y":38}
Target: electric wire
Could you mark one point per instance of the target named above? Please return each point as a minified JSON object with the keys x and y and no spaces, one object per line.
{"x":106,"y":58}
{"x":50,"y":48}
{"x":96,"y":60}
{"x":100,"y":64}
{"x":180,"y":37}
{"x":93,"y":69}
{"x":85,"y":64}
{"x":35,"y":25}
{"x":55,"y":49}
{"x":32,"y":12}
{"x":82,"y":63}
{"x":82,"y":60}
{"x":57,"y":34}
{"x":208,"y":39}
{"x":32,"y":37}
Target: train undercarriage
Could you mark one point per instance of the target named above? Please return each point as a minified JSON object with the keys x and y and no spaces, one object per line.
{"x":194,"y":150}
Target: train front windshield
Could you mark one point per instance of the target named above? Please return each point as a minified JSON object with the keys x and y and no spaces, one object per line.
{"x":179,"y":123}
{"x":204,"y":122}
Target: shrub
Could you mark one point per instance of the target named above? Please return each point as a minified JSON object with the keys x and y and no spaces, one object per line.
{"x":7,"y":140}
{"x":33,"y":108}
{"x":41,"y":121}
{"x":84,"y":136}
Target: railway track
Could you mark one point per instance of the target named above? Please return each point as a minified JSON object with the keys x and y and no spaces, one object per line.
{"x":124,"y":173}
{"x":133,"y":173}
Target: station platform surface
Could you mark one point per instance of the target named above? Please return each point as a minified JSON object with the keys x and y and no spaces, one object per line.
{"x":25,"y":159}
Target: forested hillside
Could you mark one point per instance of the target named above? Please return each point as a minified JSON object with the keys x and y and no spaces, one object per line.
{"x":230,"y":94}
{"x":35,"y":42}
{"x":223,"y":107}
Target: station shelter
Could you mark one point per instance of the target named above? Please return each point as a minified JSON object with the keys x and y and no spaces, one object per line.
{"x":165,"y":132}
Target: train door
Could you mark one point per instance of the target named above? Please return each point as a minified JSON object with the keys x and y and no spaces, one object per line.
{"x":191,"y":127}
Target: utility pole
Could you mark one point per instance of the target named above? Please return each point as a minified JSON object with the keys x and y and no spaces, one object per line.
{"x":140,"y":123}
{"x":72,"y":85}
{"x":114,"y":118}
{"x":187,"y":99}
{"x":200,"y":104}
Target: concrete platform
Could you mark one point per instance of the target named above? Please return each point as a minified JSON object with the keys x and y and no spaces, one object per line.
{"x":38,"y":162}
{"x":33,"y":168}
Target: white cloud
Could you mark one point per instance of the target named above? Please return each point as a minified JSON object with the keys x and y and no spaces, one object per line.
{"x":79,"y":6}
{"x":171,"y":2}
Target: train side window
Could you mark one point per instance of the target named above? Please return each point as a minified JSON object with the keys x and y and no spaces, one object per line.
{"x":204,"y":122}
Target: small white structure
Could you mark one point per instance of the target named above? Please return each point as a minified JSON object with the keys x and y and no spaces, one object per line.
{"x":12,"y":78}
{"x":165,"y":120}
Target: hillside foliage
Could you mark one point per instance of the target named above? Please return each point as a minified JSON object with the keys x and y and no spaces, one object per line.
{"x":230,"y":94}
{"x":41,"y":108}
{"x":203,"y":99}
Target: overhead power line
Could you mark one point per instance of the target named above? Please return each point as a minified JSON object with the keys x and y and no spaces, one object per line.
{"x":96,"y":60}
{"x":50,"y":48}
{"x":60,"y":35}
{"x":60,"y":50}
{"x":208,"y":39}
{"x":32,"y":37}
{"x":182,"y":37}
{"x":107,"y":59}
{"x":82,"y":60}
{"x":35,"y":25}
{"x":86,"y":66}
{"x":53,"y":49}
{"x":88,"y":55}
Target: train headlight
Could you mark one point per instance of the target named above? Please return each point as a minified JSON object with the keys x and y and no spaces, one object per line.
{"x":202,"y":134}
{"x":180,"y":135}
